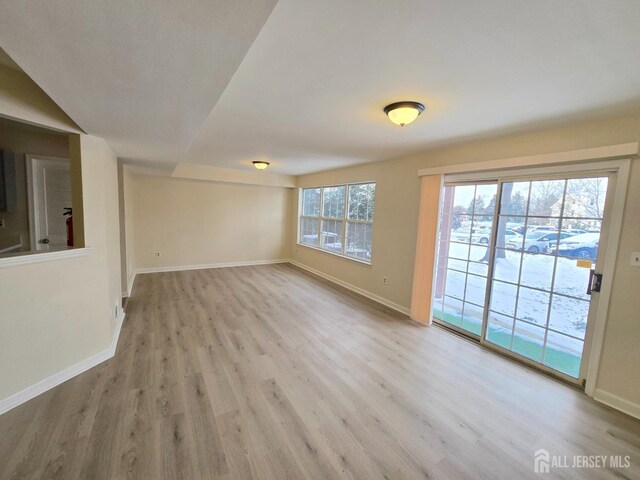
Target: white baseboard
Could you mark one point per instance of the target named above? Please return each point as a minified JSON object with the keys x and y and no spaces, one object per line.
{"x":619,"y":403}
{"x":56,"y":379}
{"x":116,"y":332}
{"x":6,"y":404}
{"x":180,"y":268}
{"x":132,"y":279}
{"x":353,"y":288}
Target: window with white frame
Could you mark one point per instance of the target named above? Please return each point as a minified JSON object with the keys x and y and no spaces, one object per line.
{"x":338,"y":219}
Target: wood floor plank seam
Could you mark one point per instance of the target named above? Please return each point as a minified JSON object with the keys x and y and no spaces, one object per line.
{"x":268,"y":372}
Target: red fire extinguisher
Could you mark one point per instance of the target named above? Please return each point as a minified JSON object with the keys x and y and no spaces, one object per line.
{"x":69,"y":222}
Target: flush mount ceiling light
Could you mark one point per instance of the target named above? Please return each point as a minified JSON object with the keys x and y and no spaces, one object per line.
{"x":260,"y":165}
{"x":403,"y":113}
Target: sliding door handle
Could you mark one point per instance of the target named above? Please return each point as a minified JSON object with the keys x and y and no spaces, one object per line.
{"x":595,"y":282}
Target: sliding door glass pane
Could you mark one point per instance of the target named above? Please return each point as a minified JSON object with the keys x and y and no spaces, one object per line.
{"x":503,"y":298}
{"x":544,"y":240}
{"x":546,"y":198}
{"x":528,"y":340}
{"x":563,"y":353}
{"x":452,"y":313}
{"x":538,"y":306}
{"x":470,"y":316}
{"x":537,"y":271}
{"x":500,"y":329}
{"x":585,"y":199}
{"x":464,"y":240}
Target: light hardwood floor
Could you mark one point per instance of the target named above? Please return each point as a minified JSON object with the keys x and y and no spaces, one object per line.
{"x":268,"y":372}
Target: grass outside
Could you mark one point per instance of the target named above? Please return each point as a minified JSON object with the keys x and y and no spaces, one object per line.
{"x":561,"y":360}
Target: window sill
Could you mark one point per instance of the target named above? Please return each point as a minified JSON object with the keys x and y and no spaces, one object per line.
{"x":318,"y":249}
{"x":39,"y":257}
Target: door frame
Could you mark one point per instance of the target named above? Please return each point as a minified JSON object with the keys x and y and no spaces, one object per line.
{"x":32,"y":192}
{"x":610,"y":236}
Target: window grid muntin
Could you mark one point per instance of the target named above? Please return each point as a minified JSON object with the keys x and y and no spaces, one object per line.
{"x":371,"y":187}
{"x":473,"y":216}
{"x":552,"y":292}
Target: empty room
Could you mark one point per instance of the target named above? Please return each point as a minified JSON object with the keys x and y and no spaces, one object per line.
{"x":293,"y":239}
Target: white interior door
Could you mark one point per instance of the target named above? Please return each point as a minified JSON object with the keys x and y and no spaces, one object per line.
{"x":50,"y":195}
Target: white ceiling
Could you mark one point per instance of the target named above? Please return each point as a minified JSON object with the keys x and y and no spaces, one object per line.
{"x":309,"y":92}
{"x":143,"y":74}
{"x":7,"y":61}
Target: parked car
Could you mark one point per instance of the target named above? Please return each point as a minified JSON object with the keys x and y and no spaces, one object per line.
{"x":536,"y":243}
{"x":574,"y":231}
{"x":484,"y":237}
{"x":521,"y":229}
{"x":541,"y":228}
{"x":580,"y":246}
{"x":481,"y":235}
{"x":463,"y":234}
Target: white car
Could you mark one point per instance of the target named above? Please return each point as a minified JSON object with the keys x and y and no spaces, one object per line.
{"x":580,"y":246}
{"x":574,"y":231}
{"x":484,"y":237}
{"x":462,"y":234}
{"x":481,"y":235}
{"x":538,"y":241}
{"x":542,"y":228}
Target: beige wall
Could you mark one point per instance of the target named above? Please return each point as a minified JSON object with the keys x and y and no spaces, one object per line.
{"x":101,"y":217}
{"x":200,"y":223}
{"x":396,"y":220}
{"x":58,"y":313}
{"x":22,"y":142}
{"x":22,"y":99}
{"x":127,"y":244}
{"x":620,"y":361}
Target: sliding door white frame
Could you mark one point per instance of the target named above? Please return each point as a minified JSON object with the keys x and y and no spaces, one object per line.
{"x":610,"y":238}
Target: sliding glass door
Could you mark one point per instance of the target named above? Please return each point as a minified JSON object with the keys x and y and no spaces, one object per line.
{"x":514,"y":261}
{"x":466,"y":228}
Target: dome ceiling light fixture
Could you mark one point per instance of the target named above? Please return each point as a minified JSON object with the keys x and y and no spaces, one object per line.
{"x":260,"y":164}
{"x":403,"y":113}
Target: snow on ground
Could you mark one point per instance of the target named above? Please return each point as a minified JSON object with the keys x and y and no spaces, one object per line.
{"x":566,"y":298}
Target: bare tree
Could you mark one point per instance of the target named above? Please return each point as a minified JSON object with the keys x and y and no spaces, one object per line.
{"x":586,"y":196}
{"x":501,"y":240}
{"x":544,"y":195}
